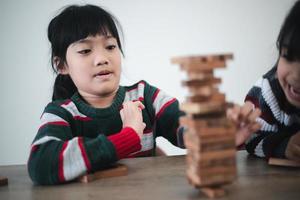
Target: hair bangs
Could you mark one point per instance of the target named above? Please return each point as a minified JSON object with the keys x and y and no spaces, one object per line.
{"x":292,"y":46}
{"x":88,"y":21}
{"x":288,"y":42}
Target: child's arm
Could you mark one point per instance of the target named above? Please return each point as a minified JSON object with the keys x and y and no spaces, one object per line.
{"x":272,"y":138}
{"x":59,"y":155}
{"x":165,"y":113}
{"x":245,"y":119}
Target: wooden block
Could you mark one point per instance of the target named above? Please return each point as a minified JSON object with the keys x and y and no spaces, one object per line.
{"x":208,"y":126}
{"x":117,"y":170}
{"x":208,"y":172}
{"x":213,"y":192}
{"x":201,"y":146}
{"x":216,"y":97}
{"x":205,"y":91}
{"x":216,"y":154}
{"x":216,"y":179}
{"x":200,"y":83}
{"x":226,"y":161}
{"x":189,"y":122}
{"x":203,"y":136}
{"x":213,"y":132}
{"x":208,"y":117}
{"x":200,"y":75}
{"x":216,"y":170}
{"x":201,"y":58}
{"x":226,"y":143}
{"x":198,"y":98}
{"x":3,"y":181}
{"x":217,"y":122}
{"x":207,"y":135}
{"x":283,"y":162}
{"x":194,"y":158}
{"x":203,"y":108}
{"x":202,"y":67}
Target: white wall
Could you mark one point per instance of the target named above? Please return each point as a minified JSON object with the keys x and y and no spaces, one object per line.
{"x":154,"y":31}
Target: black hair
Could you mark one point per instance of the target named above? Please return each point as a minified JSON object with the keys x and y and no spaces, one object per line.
{"x":288,"y":41}
{"x":74,"y":23}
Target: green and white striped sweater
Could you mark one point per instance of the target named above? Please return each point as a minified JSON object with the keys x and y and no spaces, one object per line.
{"x":75,"y":138}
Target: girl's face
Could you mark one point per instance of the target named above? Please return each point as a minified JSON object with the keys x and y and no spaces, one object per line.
{"x":289,"y":78}
{"x":94,"y":64}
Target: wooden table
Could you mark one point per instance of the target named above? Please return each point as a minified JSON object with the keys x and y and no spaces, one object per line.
{"x":160,"y":178}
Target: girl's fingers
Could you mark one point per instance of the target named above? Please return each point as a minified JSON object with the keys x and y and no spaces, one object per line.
{"x":139,"y":104}
{"x":242,"y":135}
{"x":133,"y":105}
{"x":254,"y":127}
{"x":233,"y":113}
{"x":246,"y":110}
{"x":254,"y":115}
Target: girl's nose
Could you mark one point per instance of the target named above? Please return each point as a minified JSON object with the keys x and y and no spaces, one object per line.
{"x":100,"y":59}
{"x":101,"y":62}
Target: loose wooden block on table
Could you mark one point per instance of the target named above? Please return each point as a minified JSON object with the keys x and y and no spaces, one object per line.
{"x":283,"y":162}
{"x":3,"y":181}
{"x":117,"y":170}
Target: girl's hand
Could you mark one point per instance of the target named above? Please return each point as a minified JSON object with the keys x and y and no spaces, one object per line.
{"x":131,"y":115}
{"x":293,"y":147}
{"x":245,"y":119}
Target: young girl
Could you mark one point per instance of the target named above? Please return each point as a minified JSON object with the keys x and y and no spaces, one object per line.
{"x":277,"y":94}
{"x":92,"y":121}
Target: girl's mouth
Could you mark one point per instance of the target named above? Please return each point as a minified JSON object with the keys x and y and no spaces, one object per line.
{"x":294,"y":93}
{"x":105,"y":74}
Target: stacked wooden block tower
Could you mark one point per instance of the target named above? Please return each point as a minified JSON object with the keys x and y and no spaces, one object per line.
{"x":210,"y":136}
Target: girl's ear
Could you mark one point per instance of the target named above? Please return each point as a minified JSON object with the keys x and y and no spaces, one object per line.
{"x":60,"y":66}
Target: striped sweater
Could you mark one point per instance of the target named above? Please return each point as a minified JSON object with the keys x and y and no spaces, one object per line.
{"x":74,"y":138}
{"x":280,"y":120}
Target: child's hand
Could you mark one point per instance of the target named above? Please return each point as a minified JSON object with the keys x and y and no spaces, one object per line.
{"x":245,"y":119}
{"x":293,"y":148}
{"x":131,"y":115}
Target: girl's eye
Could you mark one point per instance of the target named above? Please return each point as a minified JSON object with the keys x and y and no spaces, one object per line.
{"x":84,"y":51}
{"x":111,"y":47}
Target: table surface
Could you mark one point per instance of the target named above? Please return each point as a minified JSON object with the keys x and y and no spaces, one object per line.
{"x":158,"y":178}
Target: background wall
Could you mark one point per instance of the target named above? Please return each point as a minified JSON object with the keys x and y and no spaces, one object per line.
{"x":154,"y":32}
